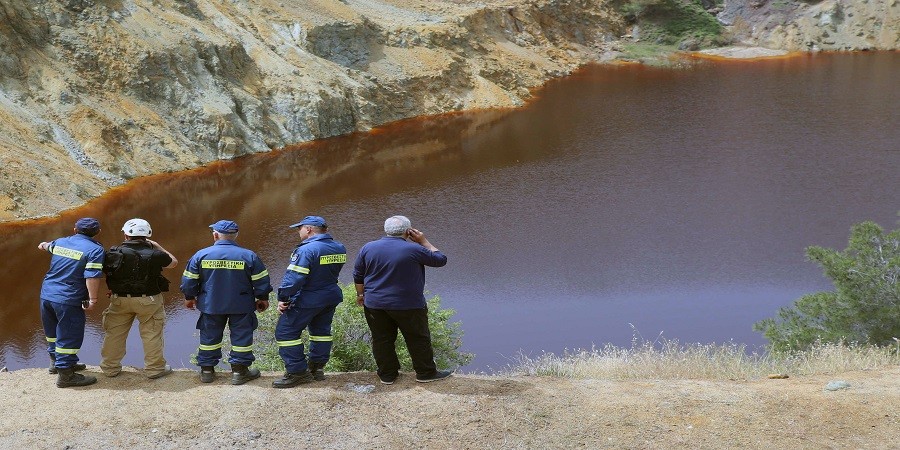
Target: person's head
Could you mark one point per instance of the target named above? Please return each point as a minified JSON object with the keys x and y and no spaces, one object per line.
{"x":87,"y":226}
{"x":310,"y":226}
{"x":397,"y":226}
{"x":226,"y":230}
{"x":137,"y":229}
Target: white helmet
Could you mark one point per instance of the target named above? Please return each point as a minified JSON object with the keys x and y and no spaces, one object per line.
{"x":137,"y":227}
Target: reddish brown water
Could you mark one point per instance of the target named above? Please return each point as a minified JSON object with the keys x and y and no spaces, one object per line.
{"x":673,"y":201}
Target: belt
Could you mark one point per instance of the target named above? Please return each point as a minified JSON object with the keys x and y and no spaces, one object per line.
{"x":133,"y":295}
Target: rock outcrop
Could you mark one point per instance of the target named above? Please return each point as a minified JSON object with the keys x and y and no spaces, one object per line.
{"x":815,"y":25}
{"x":96,"y":92}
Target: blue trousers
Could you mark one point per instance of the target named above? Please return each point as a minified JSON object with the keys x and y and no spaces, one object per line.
{"x":64,"y":328}
{"x":212,"y":327}
{"x":287,"y":336}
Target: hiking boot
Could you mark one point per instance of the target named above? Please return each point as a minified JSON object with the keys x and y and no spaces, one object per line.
{"x":388,"y":379}
{"x":207,"y":374}
{"x":317,"y":369}
{"x":241,"y":374}
{"x":68,"y":378}
{"x":52,"y":369}
{"x":292,"y":379}
{"x":439,"y":375}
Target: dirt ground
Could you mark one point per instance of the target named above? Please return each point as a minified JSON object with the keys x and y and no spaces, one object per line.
{"x":465,"y":411}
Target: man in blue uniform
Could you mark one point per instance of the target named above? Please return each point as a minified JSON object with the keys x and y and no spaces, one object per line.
{"x":228,"y":284}
{"x":70,"y":288}
{"x":307,"y":297}
{"x":390,"y":282}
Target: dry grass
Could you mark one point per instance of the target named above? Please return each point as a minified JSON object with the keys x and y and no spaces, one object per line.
{"x":670,"y":359}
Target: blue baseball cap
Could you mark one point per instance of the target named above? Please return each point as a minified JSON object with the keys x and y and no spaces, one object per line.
{"x":225,"y":226}
{"x":87,"y":225}
{"x":314,"y":221}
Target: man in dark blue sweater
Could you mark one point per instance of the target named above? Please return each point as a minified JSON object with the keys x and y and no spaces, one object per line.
{"x":390,"y":283}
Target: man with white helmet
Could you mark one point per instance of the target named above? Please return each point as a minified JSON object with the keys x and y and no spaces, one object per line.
{"x":134,"y":277}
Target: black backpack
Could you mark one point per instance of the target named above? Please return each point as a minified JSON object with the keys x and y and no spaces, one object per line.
{"x":129,"y":271}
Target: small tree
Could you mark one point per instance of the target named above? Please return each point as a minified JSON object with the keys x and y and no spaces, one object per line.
{"x":865,"y":306}
{"x":351,"y":350}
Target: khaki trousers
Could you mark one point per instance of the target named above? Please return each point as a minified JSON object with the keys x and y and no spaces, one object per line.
{"x":117,"y":321}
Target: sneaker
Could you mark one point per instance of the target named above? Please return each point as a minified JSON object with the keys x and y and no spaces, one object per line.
{"x":207,"y":374}
{"x":388,"y":379}
{"x":290,"y":380}
{"x":166,"y":370}
{"x":439,"y":375}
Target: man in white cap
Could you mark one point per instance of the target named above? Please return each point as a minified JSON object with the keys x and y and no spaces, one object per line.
{"x":134,"y":276}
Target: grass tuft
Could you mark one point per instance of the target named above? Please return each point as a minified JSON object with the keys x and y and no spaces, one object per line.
{"x":669,"y":359}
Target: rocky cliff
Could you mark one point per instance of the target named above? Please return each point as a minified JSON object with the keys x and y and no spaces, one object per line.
{"x":815,"y":25}
{"x":96,"y":92}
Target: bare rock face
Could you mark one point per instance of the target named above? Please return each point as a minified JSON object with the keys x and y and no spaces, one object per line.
{"x":96,"y":92}
{"x":815,"y":25}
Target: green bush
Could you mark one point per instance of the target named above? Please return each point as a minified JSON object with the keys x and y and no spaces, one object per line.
{"x":865,"y":306}
{"x":351,"y":350}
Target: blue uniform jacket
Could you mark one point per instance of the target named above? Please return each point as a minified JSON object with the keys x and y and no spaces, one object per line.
{"x":74,"y":258}
{"x":392,"y":270}
{"x":311,"y":279}
{"x":225,"y":278}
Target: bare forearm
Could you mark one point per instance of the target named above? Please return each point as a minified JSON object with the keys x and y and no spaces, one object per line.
{"x":93,"y":287}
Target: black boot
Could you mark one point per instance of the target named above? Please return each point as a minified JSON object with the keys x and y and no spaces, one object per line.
{"x":68,"y":378}
{"x":317,"y":369}
{"x":292,"y":379}
{"x":207,"y":374}
{"x":52,"y":368}
{"x":241,"y":374}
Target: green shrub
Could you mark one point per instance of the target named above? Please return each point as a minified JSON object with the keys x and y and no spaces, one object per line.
{"x":865,"y":306}
{"x":351,"y":350}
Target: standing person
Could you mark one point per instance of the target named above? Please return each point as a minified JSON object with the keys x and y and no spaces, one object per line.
{"x":71,"y":287}
{"x":228,"y":284}
{"x":390,"y":282}
{"x":308,"y":296}
{"x":134,"y":276}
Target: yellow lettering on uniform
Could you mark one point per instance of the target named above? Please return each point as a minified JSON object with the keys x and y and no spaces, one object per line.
{"x":67,"y":252}
{"x":221,"y":264}
{"x":333,"y":259}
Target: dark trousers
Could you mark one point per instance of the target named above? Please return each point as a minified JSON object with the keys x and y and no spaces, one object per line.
{"x":287,"y":335}
{"x":413,"y":324}
{"x":212,"y":329}
{"x":64,"y":329}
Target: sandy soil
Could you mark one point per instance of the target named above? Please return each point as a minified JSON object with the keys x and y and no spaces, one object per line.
{"x":465,"y":411}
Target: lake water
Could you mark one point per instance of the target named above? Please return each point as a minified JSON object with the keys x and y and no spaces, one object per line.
{"x":625,"y":201}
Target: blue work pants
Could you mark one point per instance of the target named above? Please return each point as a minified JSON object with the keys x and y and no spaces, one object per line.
{"x":212,"y":328}
{"x":287,"y":336}
{"x":64,"y":329}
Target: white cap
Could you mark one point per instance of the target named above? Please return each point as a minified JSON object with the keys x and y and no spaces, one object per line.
{"x":137,"y":227}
